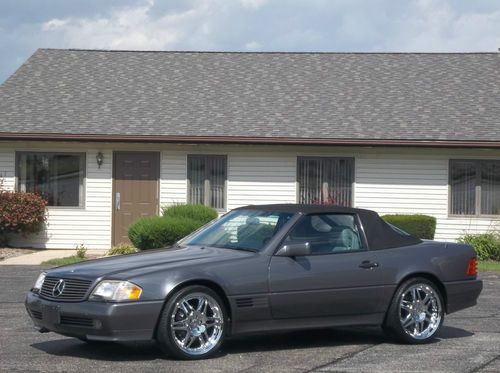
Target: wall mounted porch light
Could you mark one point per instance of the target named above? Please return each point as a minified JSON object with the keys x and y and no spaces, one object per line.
{"x":100,"y":159}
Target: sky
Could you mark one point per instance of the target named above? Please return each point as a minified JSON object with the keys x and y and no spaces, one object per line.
{"x":247,"y":25}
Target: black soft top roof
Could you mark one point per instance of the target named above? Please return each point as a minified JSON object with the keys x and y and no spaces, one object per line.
{"x":379,"y":234}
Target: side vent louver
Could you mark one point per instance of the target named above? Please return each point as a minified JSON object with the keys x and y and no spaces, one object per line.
{"x":244,"y":302}
{"x":256,"y":302}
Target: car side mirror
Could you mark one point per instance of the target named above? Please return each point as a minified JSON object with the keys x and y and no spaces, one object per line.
{"x":295,"y":249}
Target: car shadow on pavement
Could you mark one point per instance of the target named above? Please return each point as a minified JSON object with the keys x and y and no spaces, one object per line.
{"x":142,"y":351}
{"x":450,"y":332}
{"x":306,"y":339}
{"x":249,"y":344}
{"x":133,"y":351}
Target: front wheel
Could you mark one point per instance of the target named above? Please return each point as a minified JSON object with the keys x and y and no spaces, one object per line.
{"x":192,"y":325}
{"x":416,"y":313}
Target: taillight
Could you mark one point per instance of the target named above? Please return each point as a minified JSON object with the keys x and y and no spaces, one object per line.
{"x":472,"y":267}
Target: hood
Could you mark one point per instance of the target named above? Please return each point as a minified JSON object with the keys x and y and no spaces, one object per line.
{"x":127,"y":266}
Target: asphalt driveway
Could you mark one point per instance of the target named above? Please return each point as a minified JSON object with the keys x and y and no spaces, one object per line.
{"x":469,"y":342}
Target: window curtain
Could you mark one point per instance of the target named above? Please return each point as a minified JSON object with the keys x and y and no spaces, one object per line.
{"x":463,"y":188}
{"x":490,"y":188}
{"x":325,"y":180}
{"x":207,"y":175}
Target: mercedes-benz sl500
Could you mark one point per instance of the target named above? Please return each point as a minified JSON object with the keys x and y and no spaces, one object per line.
{"x":262,"y":268}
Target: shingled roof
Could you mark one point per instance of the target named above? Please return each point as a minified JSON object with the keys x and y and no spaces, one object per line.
{"x":350,"y":98}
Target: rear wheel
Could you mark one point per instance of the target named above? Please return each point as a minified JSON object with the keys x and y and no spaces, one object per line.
{"x":416,"y":313}
{"x":192,"y":325}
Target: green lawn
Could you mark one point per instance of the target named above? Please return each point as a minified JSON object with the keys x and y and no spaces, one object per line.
{"x":488,"y":265}
{"x":63,"y":261}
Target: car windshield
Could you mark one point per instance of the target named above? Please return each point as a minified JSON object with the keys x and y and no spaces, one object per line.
{"x":240,"y":230}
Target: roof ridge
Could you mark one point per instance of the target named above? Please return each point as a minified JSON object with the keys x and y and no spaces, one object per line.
{"x":261,"y":52}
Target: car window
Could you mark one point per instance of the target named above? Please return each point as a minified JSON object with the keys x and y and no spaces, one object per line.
{"x":327,"y":233}
{"x":241,"y":229}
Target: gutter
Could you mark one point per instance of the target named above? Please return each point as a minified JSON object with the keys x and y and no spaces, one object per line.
{"x":246,"y":140}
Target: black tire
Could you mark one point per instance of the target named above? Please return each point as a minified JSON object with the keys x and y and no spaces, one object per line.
{"x":393,"y":325}
{"x":166,"y":337}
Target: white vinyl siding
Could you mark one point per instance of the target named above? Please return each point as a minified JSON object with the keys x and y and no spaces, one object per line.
{"x":173,"y":178}
{"x":260,"y":177}
{"x":7,"y":168}
{"x":392,"y":184}
{"x":388,"y":180}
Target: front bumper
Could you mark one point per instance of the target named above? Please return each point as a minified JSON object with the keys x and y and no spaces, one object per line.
{"x":462,"y":294}
{"x":95,"y":320}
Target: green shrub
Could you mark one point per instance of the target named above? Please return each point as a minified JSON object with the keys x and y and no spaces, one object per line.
{"x":486,"y":245}
{"x":201,"y":213}
{"x":421,"y":226}
{"x":157,"y":232}
{"x":81,"y":251}
{"x":121,"y":249}
{"x":20,"y":213}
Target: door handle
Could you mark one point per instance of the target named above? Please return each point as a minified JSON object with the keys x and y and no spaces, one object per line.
{"x":117,"y":200}
{"x":366,"y":264}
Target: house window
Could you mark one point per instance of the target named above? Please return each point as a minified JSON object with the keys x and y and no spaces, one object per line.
{"x":474,"y":187}
{"x":325,"y":180}
{"x":207,"y":175}
{"x":57,"y":177}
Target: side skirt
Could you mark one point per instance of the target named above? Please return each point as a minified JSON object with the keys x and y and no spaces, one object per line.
{"x":258,"y":326}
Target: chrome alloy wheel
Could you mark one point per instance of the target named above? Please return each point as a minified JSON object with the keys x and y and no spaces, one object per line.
{"x":197,"y":323}
{"x":420,"y":311}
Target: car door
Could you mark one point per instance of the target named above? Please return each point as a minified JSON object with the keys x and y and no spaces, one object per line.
{"x":339,"y":277}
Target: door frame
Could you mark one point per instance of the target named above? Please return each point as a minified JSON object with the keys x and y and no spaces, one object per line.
{"x":113,"y":188}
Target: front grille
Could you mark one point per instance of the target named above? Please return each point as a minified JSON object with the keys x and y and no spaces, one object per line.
{"x":74,"y":290}
{"x":77,"y":321}
{"x":36,"y":314}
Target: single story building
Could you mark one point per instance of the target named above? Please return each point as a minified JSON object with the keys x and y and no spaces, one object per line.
{"x":110,"y":136}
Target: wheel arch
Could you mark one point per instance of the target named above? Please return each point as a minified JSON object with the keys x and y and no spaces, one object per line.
{"x":428,"y":276}
{"x":203,"y":282}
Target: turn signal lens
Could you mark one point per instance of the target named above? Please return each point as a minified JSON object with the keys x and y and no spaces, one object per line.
{"x":472,"y":267}
{"x":135,"y":293}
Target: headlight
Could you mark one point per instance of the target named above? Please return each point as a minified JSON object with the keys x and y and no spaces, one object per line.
{"x":110,"y":290}
{"x":39,"y":281}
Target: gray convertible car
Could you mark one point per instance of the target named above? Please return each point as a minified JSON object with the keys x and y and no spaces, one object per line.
{"x":262,"y":268}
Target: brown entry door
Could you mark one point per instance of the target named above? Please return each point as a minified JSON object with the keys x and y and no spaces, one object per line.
{"x":135,"y":189}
